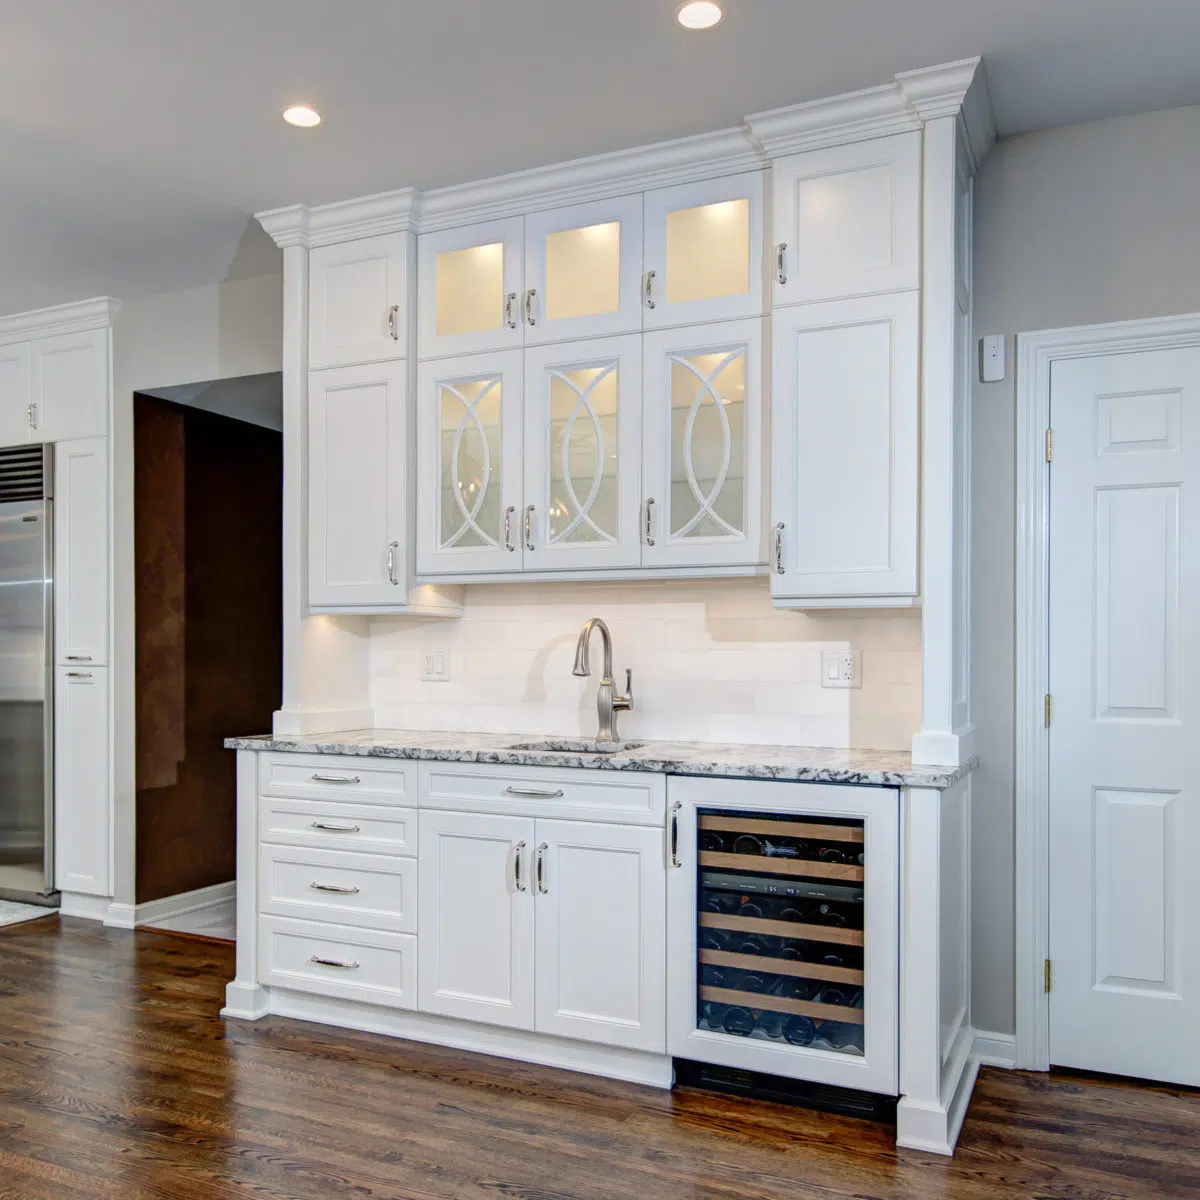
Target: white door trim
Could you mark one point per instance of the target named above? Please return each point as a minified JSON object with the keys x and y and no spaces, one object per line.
{"x":1036,"y":353}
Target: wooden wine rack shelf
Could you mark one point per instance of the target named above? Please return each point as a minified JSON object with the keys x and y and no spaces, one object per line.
{"x":782,"y":966}
{"x":765,"y":865}
{"x":795,"y":829}
{"x":797,"y":1008}
{"x":786,"y":929}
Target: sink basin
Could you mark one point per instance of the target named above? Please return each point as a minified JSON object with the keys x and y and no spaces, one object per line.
{"x":565,"y":746}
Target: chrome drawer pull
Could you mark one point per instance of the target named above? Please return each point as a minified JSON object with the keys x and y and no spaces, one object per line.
{"x":336,"y":779}
{"x":79,"y":658}
{"x":333,"y":962}
{"x":541,"y":869}
{"x":79,"y":674}
{"x":533,"y":793}
{"x":333,"y":887}
{"x":518,"y":850}
{"x":335,"y":828}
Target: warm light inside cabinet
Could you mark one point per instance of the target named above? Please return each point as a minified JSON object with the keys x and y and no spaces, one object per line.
{"x":470,"y":289}
{"x":583,"y":271}
{"x":708,"y":251}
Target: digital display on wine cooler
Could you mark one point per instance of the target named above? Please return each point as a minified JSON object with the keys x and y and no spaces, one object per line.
{"x":780,"y":931}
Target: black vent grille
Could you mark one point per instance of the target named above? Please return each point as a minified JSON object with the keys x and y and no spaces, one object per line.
{"x":22,"y":473}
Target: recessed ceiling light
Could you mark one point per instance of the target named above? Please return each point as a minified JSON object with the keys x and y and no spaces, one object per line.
{"x":699,"y":14}
{"x":302,"y":115}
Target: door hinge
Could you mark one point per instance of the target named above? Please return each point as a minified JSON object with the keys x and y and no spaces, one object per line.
{"x":1046,"y":713}
{"x":1049,"y":445}
{"x":1047,"y":986}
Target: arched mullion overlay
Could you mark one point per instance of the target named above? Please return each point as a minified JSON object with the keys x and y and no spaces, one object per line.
{"x":582,"y":511}
{"x":469,"y":413}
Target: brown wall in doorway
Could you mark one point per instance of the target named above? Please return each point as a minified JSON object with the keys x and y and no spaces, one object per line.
{"x":207,"y":534}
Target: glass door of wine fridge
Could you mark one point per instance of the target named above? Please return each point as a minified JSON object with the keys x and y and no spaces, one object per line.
{"x":783,"y":929}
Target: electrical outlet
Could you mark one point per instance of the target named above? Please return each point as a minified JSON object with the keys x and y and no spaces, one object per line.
{"x":991,"y":358}
{"x":841,"y":668}
{"x":435,"y":666}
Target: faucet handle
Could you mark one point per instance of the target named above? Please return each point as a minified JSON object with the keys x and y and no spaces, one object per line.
{"x":625,"y":702}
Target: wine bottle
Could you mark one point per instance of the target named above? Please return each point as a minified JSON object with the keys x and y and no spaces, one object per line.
{"x":832,"y":854}
{"x":712,"y":1014}
{"x":828,"y":915}
{"x":748,"y":981}
{"x":785,"y":848}
{"x":711,"y":840}
{"x":771,"y":1023}
{"x":738,"y":1021}
{"x":748,"y":844}
{"x":790,"y":988}
{"x":790,"y":910}
{"x":842,"y":995}
{"x":752,"y":945}
{"x":717,"y":902}
{"x":792,"y":951}
{"x":715,"y":939}
{"x":799,"y":1031}
{"x":750,"y":908}
{"x":711,"y":976}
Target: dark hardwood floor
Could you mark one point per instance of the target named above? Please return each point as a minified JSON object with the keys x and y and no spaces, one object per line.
{"x":117,"y":1079}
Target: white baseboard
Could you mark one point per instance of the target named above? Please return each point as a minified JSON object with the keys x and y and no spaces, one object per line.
{"x":90,"y":908}
{"x":155,"y":912}
{"x":995,"y":1049}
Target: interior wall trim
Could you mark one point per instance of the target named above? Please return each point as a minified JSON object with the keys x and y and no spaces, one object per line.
{"x":97,"y":313}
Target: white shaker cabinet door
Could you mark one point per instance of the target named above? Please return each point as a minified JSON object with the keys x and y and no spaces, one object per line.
{"x":70,"y":386}
{"x":475,"y":951}
{"x":844,"y":451}
{"x":81,"y":552}
{"x":82,"y":802}
{"x":16,"y":395}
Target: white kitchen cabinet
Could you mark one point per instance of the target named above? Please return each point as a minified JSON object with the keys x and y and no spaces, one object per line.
{"x":703,"y":450}
{"x":847,"y":220}
{"x":703,"y":258}
{"x":82,"y":799}
{"x":357,"y":301}
{"x":16,"y":395}
{"x":844,"y":452}
{"x":469,"y":468}
{"x":81,"y":551}
{"x":469,"y":289}
{"x":582,"y":422}
{"x":70,"y":377}
{"x":601,"y":933}
{"x":476,"y":944}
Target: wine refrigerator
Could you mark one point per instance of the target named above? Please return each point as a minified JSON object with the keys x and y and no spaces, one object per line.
{"x":783,"y":929}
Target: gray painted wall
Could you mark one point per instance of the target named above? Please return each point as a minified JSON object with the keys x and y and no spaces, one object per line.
{"x":1074,"y":226}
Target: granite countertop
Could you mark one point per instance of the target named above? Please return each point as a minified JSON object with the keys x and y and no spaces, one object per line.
{"x":803,"y":764}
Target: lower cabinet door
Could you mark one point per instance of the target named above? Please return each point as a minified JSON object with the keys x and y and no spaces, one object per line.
{"x":601,"y":933}
{"x":82,"y":806}
{"x":475,"y":955}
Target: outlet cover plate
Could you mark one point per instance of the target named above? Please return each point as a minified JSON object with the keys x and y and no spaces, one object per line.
{"x":841,"y":668}
{"x":435,"y":666}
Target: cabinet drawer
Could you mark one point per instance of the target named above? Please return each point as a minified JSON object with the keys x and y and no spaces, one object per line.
{"x":354,"y":779}
{"x":380,"y":968}
{"x":332,"y":885}
{"x":631,"y":798}
{"x":329,"y":825}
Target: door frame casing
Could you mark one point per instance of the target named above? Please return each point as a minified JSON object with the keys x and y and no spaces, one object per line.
{"x":1036,"y":354}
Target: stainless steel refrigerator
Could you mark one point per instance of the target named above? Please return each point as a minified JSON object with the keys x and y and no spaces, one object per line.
{"x":27,"y":674}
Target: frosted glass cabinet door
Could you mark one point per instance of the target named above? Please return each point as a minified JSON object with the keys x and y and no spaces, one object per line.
{"x":469,"y":289}
{"x":703,"y":450}
{"x":469,"y":518}
{"x":583,"y":270}
{"x":704,"y":251}
{"x":583,"y":428}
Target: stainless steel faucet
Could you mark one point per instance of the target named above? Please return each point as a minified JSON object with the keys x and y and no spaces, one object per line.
{"x":608,"y":702}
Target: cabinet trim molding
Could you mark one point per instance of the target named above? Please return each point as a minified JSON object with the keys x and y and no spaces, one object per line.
{"x":343,"y":221}
{"x":97,"y":313}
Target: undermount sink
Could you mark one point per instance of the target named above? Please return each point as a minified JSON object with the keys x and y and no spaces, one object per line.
{"x":566,"y":746}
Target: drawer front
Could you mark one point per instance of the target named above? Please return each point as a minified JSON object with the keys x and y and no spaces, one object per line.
{"x":327,"y":960}
{"x":356,"y":779}
{"x":629,"y":797}
{"x":328,"y":825}
{"x":367,"y":890}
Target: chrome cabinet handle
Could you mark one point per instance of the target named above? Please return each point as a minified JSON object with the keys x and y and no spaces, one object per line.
{"x":649,"y":512}
{"x":510,"y":310}
{"x":79,"y":674}
{"x":533,"y":793}
{"x":79,"y":658}
{"x":508,"y":515}
{"x":32,"y":412}
{"x":529,"y":528}
{"x":541,"y":869}
{"x":649,"y":289}
{"x":530,"y":296}
{"x":391,"y":563}
{"x":333,"y":962}
{"x":336,"y":779}
{"x":780,"y":272}
{"x":779,"y":548}
{"x":675,"y":862}
{"x":333,"y":887}
{"x":335,"y":828}
{"x":394,"y":322}
{"x":518,"y":850}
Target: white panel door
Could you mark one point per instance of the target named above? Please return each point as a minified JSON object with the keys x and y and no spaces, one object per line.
{"x":1125,"y":682}
{"x":583,"y":432}
{"x":704,"y":252}
{"x":601,"y":933}
{"x":81,"y":551}
{"x":469,"y":435}
{"x":475,"y":950}
{"x":82,"y":803}
{"x":583,"y":267}
{"x":703,"y":452}
{"x":847,"y":220}
{"x":357,"y":310}
{"x":469,"y":289}
{"x":16,"y":395}
{"x":356,"y":479}
{"x":70,"y":386}
{"x":844,"y":450}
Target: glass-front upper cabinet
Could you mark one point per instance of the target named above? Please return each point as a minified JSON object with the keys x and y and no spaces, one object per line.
{"x":582,"y":449}
{"x":469,"y":289}
{"x":469,"y":465}
{"x":702,"y":450}
{"x":583,"y":270}
{"x":703,"y":258}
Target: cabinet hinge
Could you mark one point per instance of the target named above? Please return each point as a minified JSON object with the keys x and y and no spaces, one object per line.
{"x":1049,"y":445}
{"x":1046,"y":713}
{"x":1047,"y":975}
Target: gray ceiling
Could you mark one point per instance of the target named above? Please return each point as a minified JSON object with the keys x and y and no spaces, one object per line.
{"x":137,"y":136}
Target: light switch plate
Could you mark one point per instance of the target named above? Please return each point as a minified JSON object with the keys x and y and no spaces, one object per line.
{"x":991,"y":358}
{"x":841,"y":668}
{"x":435,"y":666}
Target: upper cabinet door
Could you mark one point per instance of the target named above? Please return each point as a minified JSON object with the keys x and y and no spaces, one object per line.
{"x":469,"y":289}
{"x":16,"y":395}
{"x":469,"y":517}
{"x":357,"y":310}
{"x":848,"y":220}
{"x":81,"y":552}
{"x":70,"y":386}
{"x":582,"y":451}
{"x":704,"y":251}
{"x":583,"y":271}
{"x":844,"y":450}
{"x":703,"y":449}
{"x":357,"y":546}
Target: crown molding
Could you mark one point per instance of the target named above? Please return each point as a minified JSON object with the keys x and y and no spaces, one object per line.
{"x":366,"y":216}
{"x":957,"y":89}
{"x":97,"y":313}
